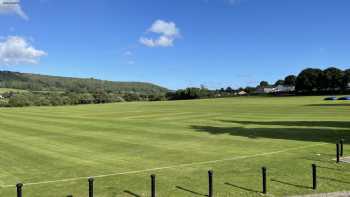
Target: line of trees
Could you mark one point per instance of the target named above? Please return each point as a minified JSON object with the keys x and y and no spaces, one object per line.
{"x":203,"y":93}
{"x":316,"y":81}
{"x":330,"y":80}
{"x":24,"y":99}
{"x":310,"y":81}
{"x":190,"y":93}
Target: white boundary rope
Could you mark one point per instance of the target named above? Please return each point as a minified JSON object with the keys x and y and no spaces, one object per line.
{"x":166,"y":167}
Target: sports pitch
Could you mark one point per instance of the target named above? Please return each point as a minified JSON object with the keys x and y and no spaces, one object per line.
{"x":53,"y":150}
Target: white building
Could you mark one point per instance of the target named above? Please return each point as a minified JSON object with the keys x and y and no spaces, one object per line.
{"x":265,"y":90}
{"x":283,"y":88}
{"x":1,"y":97}
{"x":242,"y":93}
{"x":277,"y":89}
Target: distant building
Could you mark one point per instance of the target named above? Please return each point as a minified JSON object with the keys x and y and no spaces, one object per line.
{"x":284,"y":88}
{"x":242,"y":93}
{"x":1,"y":97}
{"x":275,"y":89}
{"x":265,"y":90}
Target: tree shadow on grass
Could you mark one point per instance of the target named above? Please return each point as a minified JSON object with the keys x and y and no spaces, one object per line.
{"x":131,"y":193}
{"x":242,"y":188}
{"x":190,"y":191}
{"x":335,"y":124}
{"x":329,"y":168}
{"x":298,"y":134}
{"x":329,"y":105}
{"x":318,"y":160}
{"x":333,"y":180}
{"x":290,"y":184}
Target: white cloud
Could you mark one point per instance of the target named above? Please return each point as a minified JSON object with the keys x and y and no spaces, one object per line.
{"x":16,"y":50}
{"x":168,"y":33}
{"x":147,"y":41}
{"x":162,"y":41}
{"x":12,"y":7}
{"x":165,"y":28}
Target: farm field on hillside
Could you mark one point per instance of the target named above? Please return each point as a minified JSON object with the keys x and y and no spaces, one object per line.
{"x":53,"y":150}
{"x":4,"y":90}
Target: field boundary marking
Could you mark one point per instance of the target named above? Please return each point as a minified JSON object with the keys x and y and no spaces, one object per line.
{"x":167,"y":167}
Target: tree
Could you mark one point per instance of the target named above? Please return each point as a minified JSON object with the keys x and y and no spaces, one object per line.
{"x":332,"y":79}
{"x":249,"y":90}
{"x":309,"y":80}
{"x":155,"y":97}
{"x":264,"y":84}
{"x":290,"y":80}
{"x":100,"y":96}
{"x":20,"y":100}
{"x":346,"y":79}
{"x":86,"y":98}
{"x":279,"y":82}
{"x":229,"y":89}
{"x":56,"y":99}
{"x":131,"y":97}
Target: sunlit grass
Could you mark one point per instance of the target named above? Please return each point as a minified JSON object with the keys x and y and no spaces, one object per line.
{"x":39,"y":144}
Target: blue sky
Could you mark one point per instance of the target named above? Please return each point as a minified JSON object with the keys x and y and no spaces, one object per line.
{"x":175,"y":43}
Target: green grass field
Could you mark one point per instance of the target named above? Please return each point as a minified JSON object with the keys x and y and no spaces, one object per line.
{"x":54,"y":149}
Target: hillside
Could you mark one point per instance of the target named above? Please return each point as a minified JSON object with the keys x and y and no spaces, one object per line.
{"x":36,"y":82}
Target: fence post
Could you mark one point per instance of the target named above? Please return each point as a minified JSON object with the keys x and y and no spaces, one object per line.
{"x":264,"y":180}
{"x":314,"y":177}
{"x":19,"y":189}
{"x":210,"y":183}
{"x":342,"y":147}
{"x":91,"y":187}
{"x":338,"y":159}
{"x":153,"y":185}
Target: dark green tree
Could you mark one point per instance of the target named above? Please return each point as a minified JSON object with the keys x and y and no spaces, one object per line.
{"x":264,"y":84}
{"x":229,"y":89}
{"x":332,"y":79}
{"x":279,"y":82}
{"x":346,"y":80}
{"x":290,"y":80}
{"x":309,"y":80}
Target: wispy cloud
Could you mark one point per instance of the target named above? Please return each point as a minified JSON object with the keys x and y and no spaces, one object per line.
{"x":127,"y":53}
{"x":15,"y":50}
{"x":228,"y":2}
{"x":167,"y":32}
{"x":12,"y":7}
{"x":233,"y":2}
{"x":128,"y":56}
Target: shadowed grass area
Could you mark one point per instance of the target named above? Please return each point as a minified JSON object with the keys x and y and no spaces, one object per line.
{"x":335,"y":124}
{"x":330,"y":105}
{"x":57,"y":148}
{"x":284,"y":133}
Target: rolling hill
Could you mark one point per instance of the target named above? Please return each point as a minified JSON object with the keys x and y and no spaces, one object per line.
{"x":37,"y":82}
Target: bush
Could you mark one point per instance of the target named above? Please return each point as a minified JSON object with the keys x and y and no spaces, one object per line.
{"x":21,"y":100}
